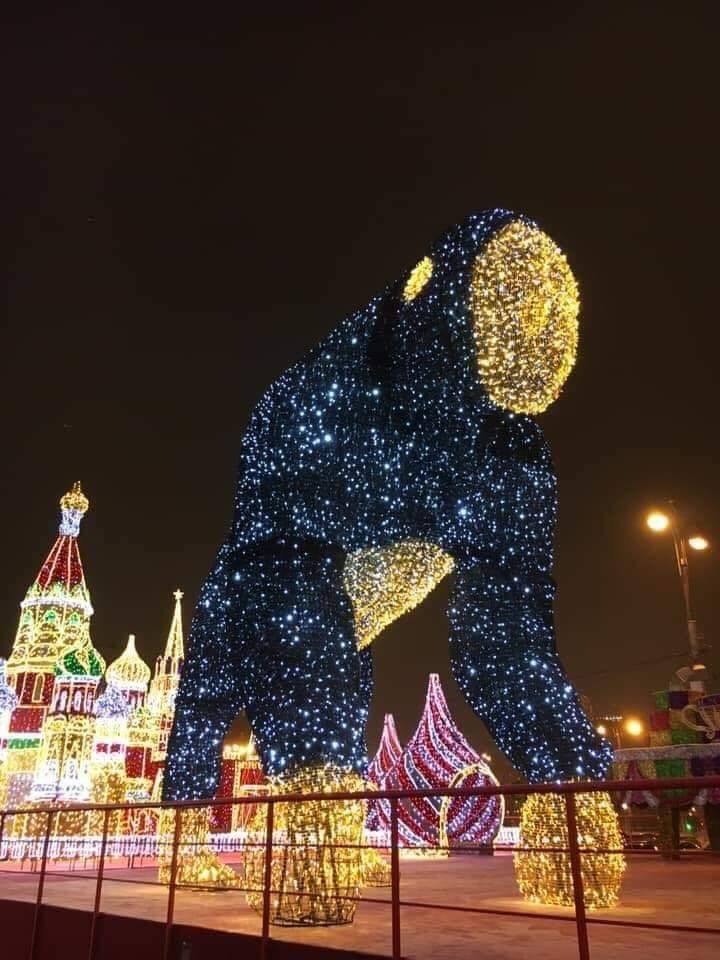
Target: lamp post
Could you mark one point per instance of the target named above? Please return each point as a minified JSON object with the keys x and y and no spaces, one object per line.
{"x":659,"y":521}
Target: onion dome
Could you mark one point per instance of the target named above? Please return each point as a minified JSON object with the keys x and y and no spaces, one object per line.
{"x":129,"y":670}
{"x":82,"y":661}
{"x":438,"y":755}
{"x":8,"y":697}
{"x":388,"y":754}
{"x":112,"y":704}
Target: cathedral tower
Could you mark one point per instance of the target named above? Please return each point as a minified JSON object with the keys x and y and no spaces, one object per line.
{"x":54,"y":621}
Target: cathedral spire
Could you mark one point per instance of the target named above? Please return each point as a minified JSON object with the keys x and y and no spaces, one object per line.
{"x":55,"y":614}
{"x":166,"y":680}
{"x":174,"y":646}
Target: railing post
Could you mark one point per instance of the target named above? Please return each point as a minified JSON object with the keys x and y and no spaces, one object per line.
{"x":576,"y":870}
{"x":171,"y":885}
{"x":395,"y":877}
{"x":98,"y":885}
{"x":267,"y":879}
{"x":2,"y":830}
{"x":41,"y":885}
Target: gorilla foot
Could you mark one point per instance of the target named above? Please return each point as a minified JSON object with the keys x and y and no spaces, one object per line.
{"x":197,"y":865}
{"x":317,"y":852}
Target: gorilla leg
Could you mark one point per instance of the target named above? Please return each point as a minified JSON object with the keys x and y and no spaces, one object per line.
{"x":273,"y":634}
{"x":505,"y":662}
{"x":307,"y":687}
{"x":308,"y":692}
{"x":210,"y":695}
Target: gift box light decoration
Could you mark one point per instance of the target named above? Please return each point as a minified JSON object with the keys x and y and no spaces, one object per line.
{"x":398,"y":449}
{"x":545,"y":876}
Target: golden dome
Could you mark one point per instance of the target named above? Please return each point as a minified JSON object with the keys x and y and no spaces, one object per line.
{"x":129,"y":670}
{"x":75,"y":499}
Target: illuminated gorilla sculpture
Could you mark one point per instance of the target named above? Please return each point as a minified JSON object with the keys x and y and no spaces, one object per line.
{"x":397,"y":451}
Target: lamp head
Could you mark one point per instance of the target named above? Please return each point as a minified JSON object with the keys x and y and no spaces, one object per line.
{"x":657,"y":521}
{"x":634,"y":727}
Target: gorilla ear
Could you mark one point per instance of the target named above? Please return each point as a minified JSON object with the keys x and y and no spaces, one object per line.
{"x":524,"y":306}
{"x":417,"y":279}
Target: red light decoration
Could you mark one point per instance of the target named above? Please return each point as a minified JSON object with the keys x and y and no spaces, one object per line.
{"x":388,"y":754}
{"x":438,"y":755}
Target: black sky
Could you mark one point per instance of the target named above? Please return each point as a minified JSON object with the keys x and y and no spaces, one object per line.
{"x":193,"y":204}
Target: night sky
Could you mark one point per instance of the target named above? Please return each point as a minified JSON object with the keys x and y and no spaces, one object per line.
{"x":193,"y":205}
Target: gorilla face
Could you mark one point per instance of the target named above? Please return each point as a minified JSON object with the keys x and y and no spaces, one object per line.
{"x":522,"y":306}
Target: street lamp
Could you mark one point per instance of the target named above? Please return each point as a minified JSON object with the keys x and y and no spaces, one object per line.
{"x":634,"y":727}
{"x":612,"y":726}
{"x":668,"y":519}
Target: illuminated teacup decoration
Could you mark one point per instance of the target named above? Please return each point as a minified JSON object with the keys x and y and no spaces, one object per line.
{"x":704,"y":716}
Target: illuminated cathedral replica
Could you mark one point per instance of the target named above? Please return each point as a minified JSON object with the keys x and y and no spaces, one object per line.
{"x":72,"y":731}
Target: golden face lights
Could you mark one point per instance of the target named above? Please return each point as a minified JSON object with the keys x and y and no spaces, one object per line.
{"x":524,"y":303}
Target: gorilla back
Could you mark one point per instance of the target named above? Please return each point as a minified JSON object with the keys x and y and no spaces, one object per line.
{"x":402,"y":448}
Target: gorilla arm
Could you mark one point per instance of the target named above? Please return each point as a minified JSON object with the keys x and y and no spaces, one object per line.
{"x":504,"y":659}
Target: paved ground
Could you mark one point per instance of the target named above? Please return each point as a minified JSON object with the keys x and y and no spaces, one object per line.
{"x":685,"y":893}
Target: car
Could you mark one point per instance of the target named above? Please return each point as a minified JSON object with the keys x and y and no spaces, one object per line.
{"x":689,"y":843}
{"x":640,"y":841}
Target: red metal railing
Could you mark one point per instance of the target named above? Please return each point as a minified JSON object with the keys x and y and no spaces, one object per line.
{"x":568,"y":790}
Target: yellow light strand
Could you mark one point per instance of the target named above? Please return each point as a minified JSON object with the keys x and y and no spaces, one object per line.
{"x":197,"y":864}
